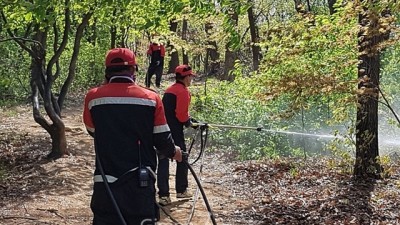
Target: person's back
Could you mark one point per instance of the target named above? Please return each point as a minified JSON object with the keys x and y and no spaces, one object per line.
{"x":157,"y":53}
{"x":123,"y":115}
{"x":176,"y":101}
{"x":127,"y":122}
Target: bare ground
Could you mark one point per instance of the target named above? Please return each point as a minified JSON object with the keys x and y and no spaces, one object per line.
{"x":34,"y":190}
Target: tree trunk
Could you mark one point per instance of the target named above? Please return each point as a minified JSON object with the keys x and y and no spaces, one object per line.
{"x":254,"y":37}
{"x":59,"y":141}
{"x":113,"y":41}
{"x":230,"y":58}
{"x":212,"y":61}
{"x":331,"y":3}
{"x":185,"y":57}
{"x":367,"y":151}
{"x":43,"y":75}
{"x":113,"y":32}
{"x":74,"y":59}
{"x":57,"y":129}
{"x":230,"y":55}
{"x":174,"y":60}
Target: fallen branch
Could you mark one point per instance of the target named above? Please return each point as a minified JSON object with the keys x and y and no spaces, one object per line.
{"x":17,"y":217}
{"x":55,"y":211}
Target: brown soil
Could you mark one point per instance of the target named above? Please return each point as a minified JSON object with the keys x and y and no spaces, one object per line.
{"x":34,"y":190}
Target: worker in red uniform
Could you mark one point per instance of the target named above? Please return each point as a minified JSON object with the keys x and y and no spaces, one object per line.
{"x":127,"y":121}
{"x":176,"y":102}
{"x":156,"y":53}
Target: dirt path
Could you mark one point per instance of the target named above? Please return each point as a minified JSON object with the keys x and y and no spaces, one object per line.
{"x":34,"y":190}
{"x":284,"y":191}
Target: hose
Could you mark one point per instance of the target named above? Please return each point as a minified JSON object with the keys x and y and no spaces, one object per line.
{"x":203,"y":141}
{"x":202,"y":127}
{"x":185,"y":157}
{"x":210,"y":212}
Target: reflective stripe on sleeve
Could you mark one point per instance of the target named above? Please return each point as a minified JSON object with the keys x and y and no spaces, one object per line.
{"x":91,"y":129}
{"x":161,"y":129}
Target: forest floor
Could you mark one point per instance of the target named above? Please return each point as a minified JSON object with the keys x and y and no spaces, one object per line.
{"x":34,"y":190}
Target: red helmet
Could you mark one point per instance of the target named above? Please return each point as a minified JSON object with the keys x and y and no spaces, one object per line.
{"x":120,"y":57}
{"x":184,"y":70}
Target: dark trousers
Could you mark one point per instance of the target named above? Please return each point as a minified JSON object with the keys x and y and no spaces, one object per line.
{"x":136,"y":203}
{"x":157,"y":70}
{"x":181,"y":179}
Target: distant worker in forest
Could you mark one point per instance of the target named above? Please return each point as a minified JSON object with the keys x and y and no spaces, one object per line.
{"x":127,"y":121}
{"x":156,"y":53}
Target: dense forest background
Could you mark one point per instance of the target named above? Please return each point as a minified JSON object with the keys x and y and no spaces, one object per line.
{"x":319,"y":77}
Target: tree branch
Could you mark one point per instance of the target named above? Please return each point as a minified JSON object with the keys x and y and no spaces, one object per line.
{"x":18,"y":39}
{"x":64,"y":42}
{"x":74,"y":58}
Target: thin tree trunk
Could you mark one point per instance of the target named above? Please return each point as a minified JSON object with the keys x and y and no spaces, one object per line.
{"x":212,"y":61}
{"x":230,"y":55}
{"x":174,"y":61}
{"x":185,"y":57}
{"x":254,"y":37}
{"x":331,"y":3}
{"x":74,"y":59}
{"x":113,"y":32}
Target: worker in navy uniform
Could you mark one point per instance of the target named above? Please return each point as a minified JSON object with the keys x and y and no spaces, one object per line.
{"x":128,"y":123}
{"x":176,"y":102}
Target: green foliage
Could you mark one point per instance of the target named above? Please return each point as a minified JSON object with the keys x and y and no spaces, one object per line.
{"x":236,"y":104}
{"x":305,"y":83}
{"x":389,"y":166}
{"x":14,"y":75}
{"x":89,"y":70}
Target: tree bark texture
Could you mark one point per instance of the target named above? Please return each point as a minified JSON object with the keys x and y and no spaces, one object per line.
{"x":174,"y":60}
{"x":367,"y":150}
{"x":230,"y":55}
{"x":255,"y":48}
{"x":331,"y":3}
{"x":185,"y":57}
{"x":212,"y":61}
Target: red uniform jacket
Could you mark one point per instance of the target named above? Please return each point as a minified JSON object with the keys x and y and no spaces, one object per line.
{"x":176,"y":101}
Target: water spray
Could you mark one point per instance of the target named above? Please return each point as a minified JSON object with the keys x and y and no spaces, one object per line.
{"x":259,"y":129}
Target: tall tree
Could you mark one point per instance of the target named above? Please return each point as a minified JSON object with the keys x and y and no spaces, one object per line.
{"x":230,"y":50}
{"x":174,"y":61}
{"x":212,"y":61}
{"x":255,"y":48}
{"x":39,"y":25}
{"x":185,"y":56}
{"x":374,"y":30}
{"x":331,"y":5}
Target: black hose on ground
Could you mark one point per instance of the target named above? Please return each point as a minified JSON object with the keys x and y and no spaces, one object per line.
{"x":210,"y":212}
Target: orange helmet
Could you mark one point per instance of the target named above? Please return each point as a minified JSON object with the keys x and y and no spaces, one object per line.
{"x":120,"y":57}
